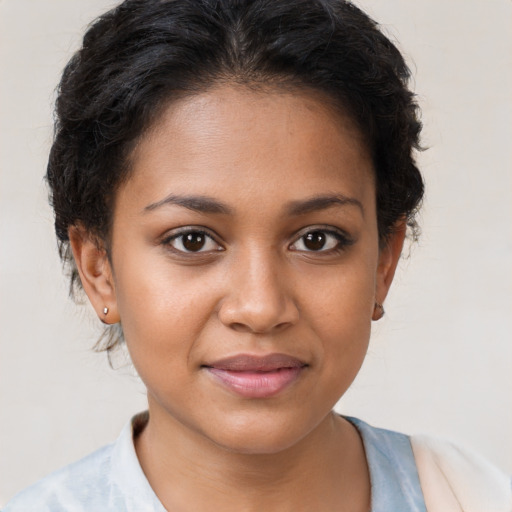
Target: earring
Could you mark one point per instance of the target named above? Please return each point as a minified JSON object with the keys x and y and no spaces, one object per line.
{"x":378,"y":311}
{"x":105,"y":310}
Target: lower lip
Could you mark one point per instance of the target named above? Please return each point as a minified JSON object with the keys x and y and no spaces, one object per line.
{"x":257,"y":384}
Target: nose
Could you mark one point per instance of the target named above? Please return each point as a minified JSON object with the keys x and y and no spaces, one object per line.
{"x":259,"y":298}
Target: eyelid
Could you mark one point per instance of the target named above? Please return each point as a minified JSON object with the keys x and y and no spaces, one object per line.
{"x":344,"y":239}
{"x":181,"y":231}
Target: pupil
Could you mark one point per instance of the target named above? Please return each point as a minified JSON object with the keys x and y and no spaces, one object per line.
{"x":315,"y":241}
{"x":193,"y":241}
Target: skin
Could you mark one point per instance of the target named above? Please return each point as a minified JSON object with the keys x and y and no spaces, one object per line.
{"x":255,"y":287}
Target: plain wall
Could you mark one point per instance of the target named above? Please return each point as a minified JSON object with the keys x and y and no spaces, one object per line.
{"x":439,"y":362}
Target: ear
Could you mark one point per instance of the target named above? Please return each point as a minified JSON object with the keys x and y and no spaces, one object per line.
{"x":389,"y":254}
{"x":95,"y":273}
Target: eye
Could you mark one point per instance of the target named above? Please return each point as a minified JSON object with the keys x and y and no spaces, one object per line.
{"x":321,"y":240}
{"x":192,"y":241}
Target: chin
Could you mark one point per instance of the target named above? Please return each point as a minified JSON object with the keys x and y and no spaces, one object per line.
{"x":256,"y":445}
{"x":260,"y":436}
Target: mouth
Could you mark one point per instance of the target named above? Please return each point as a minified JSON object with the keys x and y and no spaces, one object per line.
{"x":256,"y":376}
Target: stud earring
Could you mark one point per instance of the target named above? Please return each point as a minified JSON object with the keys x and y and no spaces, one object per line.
{"x":378,"y":311}
{"x":105,"y":310}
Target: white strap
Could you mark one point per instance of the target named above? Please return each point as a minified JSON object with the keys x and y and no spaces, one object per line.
{"x":456,"y":480}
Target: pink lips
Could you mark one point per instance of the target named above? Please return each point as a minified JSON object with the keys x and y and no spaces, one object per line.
{"x":255,"y":376}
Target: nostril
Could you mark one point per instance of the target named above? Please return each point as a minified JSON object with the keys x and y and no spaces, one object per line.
{"x":239,"y":327}
{"x":244,"y":328}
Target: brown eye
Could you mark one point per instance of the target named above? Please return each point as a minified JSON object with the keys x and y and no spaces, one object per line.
{"x":323,"y":241}
{"x":315,"y":241}
{"x":192,"y":241}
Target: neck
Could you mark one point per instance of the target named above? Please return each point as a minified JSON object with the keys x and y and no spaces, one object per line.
{"x":326,"y":470}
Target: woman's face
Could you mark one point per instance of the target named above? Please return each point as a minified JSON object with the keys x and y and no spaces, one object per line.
{"x":246,"y":264}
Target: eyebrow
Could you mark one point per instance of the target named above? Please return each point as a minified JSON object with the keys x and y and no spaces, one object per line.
{"x":323,"y":202}
{"x":205,"y":204}
{"x":201,"y":204}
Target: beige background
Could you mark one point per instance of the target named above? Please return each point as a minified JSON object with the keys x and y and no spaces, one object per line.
{"x":440,"y":361}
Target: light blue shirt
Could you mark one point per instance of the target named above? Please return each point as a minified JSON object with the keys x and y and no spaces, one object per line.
{"x":111,"y":479}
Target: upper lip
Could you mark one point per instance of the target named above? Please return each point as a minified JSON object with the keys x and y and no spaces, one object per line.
{"x":248,"y":362}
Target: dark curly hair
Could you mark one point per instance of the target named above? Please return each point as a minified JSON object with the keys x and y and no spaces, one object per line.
{"x":143,"y":54}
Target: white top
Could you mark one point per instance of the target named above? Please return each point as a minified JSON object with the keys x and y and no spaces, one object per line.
{"x":111,"y":479}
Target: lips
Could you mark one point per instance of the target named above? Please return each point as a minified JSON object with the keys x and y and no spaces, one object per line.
{"x":256,"y":376}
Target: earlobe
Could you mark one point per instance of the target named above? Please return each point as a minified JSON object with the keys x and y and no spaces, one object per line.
{"x":95,"y":273}
{"x":389,"y":256}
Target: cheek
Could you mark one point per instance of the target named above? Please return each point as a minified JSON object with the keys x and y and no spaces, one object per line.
{"x":342,"y":297}
{"x":345,"y":335}
{"x":162,"y":321}
{"x":163,"y":308}
{"x":339,"y":310}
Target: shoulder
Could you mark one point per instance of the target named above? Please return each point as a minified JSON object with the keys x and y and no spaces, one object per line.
{"x":377,"y":435}
{"x":108,"y":480}
{"x":455,"y":478}
{"x":443,"y":475}
{"x":384,"y":445}
{"x":393,"y":476}
{"x":79,"y":486}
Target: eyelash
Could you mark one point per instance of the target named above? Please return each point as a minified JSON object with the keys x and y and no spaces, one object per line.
{"x":181,"y":234}
{"x":342,"y":241}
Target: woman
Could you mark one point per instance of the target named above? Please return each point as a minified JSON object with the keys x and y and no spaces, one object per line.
{"x":235,"y":181}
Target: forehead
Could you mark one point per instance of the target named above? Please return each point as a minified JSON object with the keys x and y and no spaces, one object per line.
{"x":237,"y":142}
